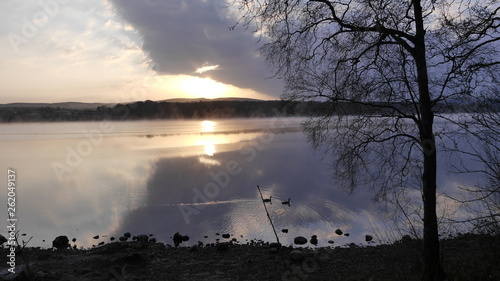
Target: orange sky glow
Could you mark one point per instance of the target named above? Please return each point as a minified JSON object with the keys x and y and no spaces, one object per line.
{"x":84,"y":51}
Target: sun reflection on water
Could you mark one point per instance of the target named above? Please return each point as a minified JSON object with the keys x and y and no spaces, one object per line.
{"x":210,"y":149}
{"x":207,"y":126}
{"x":208,"y":142}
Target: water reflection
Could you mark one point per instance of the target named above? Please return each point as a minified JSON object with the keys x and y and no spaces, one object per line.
{"x":187,"y":195}
{"x":209,"y":143}
{"x":208,"y":126}
{"x":91,"y":198}
{"x":195,"y":177}
{"x":105,"y":178}
{"x":209,"y":161}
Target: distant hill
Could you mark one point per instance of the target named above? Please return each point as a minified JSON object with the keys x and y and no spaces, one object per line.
{"x":69,"y":105}
{"x":208,"y":100}
{"x":83,"y":105}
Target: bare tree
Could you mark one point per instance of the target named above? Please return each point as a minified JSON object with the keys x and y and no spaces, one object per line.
{"x":480,"y":154}
{"x":385,"y":71}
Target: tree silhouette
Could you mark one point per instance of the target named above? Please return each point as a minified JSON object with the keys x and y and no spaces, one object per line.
{"x":406,"y":59}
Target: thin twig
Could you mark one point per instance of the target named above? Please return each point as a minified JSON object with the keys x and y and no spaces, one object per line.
{"x":21,"y":251}
{"x":21,"y":248}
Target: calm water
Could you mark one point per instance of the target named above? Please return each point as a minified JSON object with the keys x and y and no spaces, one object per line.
{"x":194,"y":177}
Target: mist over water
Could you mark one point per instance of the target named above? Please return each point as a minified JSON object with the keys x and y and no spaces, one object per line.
{"x":194,"y":177}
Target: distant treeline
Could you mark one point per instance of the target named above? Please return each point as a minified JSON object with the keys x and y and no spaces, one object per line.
{"x":152,"y":110}
{"x":207,"y":110}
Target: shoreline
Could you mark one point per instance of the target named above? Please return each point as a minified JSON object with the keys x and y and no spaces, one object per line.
{"x":466,"y":257}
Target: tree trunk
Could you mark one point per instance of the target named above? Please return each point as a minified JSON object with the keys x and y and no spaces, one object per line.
{"x":432,"y":269}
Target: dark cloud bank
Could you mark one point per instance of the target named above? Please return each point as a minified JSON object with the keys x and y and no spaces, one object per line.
{"x":181,"y":36}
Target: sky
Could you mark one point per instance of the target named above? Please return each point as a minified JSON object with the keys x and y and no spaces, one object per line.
{"x":116,"y":51}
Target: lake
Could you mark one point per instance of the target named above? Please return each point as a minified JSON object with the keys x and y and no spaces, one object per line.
{"x":199,"y":178}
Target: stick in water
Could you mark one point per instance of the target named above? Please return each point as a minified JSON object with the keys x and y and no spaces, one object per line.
{"x":268,"y":216}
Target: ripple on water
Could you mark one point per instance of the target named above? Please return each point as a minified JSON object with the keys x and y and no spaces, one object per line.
{"x":247,"y":218}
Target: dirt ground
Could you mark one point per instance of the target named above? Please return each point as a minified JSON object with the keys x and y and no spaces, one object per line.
{"x":469,"y":257}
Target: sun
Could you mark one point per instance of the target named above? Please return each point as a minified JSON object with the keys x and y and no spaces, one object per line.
{"x":203,"y":87}
{"x":194,"y":87}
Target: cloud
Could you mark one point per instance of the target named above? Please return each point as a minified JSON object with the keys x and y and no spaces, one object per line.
{"x":103,"y":51}
{"x":81,"y":52}
{"x":182,"y":37}
{"x":206,"y":68}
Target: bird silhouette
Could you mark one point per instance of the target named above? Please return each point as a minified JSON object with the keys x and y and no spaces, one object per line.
{"x":286,"y":202}
{"x":267,"y":200}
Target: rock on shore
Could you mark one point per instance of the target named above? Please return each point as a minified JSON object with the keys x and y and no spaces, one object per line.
{"x":147,"y":261}
{"x":300,"y":240}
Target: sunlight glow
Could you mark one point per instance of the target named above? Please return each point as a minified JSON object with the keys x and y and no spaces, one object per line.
{"x":192,"y":87}
{"x":203,"y":87}
{"x":207,"y":126}
{"x":210,"y":149}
